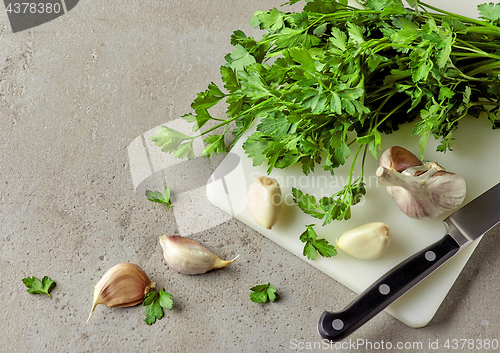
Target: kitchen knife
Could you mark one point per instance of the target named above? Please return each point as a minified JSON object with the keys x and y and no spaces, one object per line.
{"x":462,"y":228}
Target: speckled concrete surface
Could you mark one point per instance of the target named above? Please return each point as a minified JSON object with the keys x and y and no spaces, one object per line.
{"x":74,"y":93}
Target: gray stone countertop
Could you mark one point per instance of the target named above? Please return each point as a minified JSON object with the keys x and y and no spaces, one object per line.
{"x":74,"y":94}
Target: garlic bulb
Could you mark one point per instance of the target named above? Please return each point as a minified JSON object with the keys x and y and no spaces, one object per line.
{"x":264,"y":201}
{"x":123,"y":285}
{"x":421,"y":190}
{"x":188,"y":256}
{"x":367,"y":241}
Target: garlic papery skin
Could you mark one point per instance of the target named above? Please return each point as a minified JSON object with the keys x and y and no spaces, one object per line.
{"x":423,"y":191}
{"x":188,"y":256}
{"x":122,"y":285}
{"x":397,"y":158}
{"x":367,"y":241}
{"x":265,"y":201}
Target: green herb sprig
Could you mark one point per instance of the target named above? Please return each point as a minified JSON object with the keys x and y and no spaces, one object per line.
{"x":35,"y":286}
{"x":156,"y":196}
{"x":313,"y":245}
{"x":262,"y":293}
{"x":155,"y":302}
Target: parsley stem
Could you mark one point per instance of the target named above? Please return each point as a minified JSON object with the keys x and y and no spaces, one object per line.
{"x":497,"y":104}
{"x":484,"y":68}
{"x":353,"y":164}
{"x":475,"y":45}
{"x":344,"y":14}
{"x":482,"y":53}
{"x":226,"y":122}
{"x":460,"y":17}
{"x":388,"y":95}
{"x":482,"y":44}
{"x":399,"y":106}
{"x":363,"y":162}
{"x":390,"y":63}
{"x":484,"y":30}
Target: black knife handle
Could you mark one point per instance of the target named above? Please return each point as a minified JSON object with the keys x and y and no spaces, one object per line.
{"x":336,"y":326}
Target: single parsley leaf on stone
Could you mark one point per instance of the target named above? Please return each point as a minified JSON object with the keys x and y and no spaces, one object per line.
{"x":263,"y":293}
{"x":155,"y":302}
{"x":156,"y":196}
{"x":35,"y":286}
{"x":169,"y":139}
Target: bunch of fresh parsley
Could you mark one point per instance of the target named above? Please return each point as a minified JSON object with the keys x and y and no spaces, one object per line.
{"x":334,"y":78}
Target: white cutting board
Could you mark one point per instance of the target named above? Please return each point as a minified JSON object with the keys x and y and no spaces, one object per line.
{"x":474,"y":156}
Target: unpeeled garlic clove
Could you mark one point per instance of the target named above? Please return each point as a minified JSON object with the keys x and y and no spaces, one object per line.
{"x":264,"y":201}
{"x":367,"y":241}
{"x":421,"y":190}
{"x":398,"y":159}
{"x":188,"y":256}
{"x":122,"y":285}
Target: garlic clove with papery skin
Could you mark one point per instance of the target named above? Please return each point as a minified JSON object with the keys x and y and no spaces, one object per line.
{"x":423,"y":190}
{"x":265,"y":201}
{"x":189,"y":257}
{"x":123,"y":285}
{"x":398,"y":158}
{"x":367,"y":241}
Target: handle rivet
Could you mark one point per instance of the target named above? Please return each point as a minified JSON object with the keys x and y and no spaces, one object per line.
{"x":337,"y":324}
{"x":384,"y":289}
{"x":430,"y":255}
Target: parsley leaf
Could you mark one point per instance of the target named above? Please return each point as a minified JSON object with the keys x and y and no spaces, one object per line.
{"x":168,"y":139}
{"x":155,"y":302}
{"x":308,"y":204}
{"x":35,"y":286}
{"x":209,"y":98}
{"x":313,"y":245}
{"x":490,"y":12}
{"x":272,"y":20}
{"x":274,"y":123}
{"x":239,"y":58}
{"x":215,"y":145}
{"x":156,"y":196}
{"x":263,"y":293}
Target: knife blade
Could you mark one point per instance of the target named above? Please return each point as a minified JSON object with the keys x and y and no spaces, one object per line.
{"x":462,"y":228}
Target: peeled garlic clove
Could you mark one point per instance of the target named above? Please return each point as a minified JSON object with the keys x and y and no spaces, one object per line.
{"x":423,"y":190}
{"x":367,"y":241}
{"x":123,"y":285}
{"x":188,"y":256}
{"x":264,"y":201}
